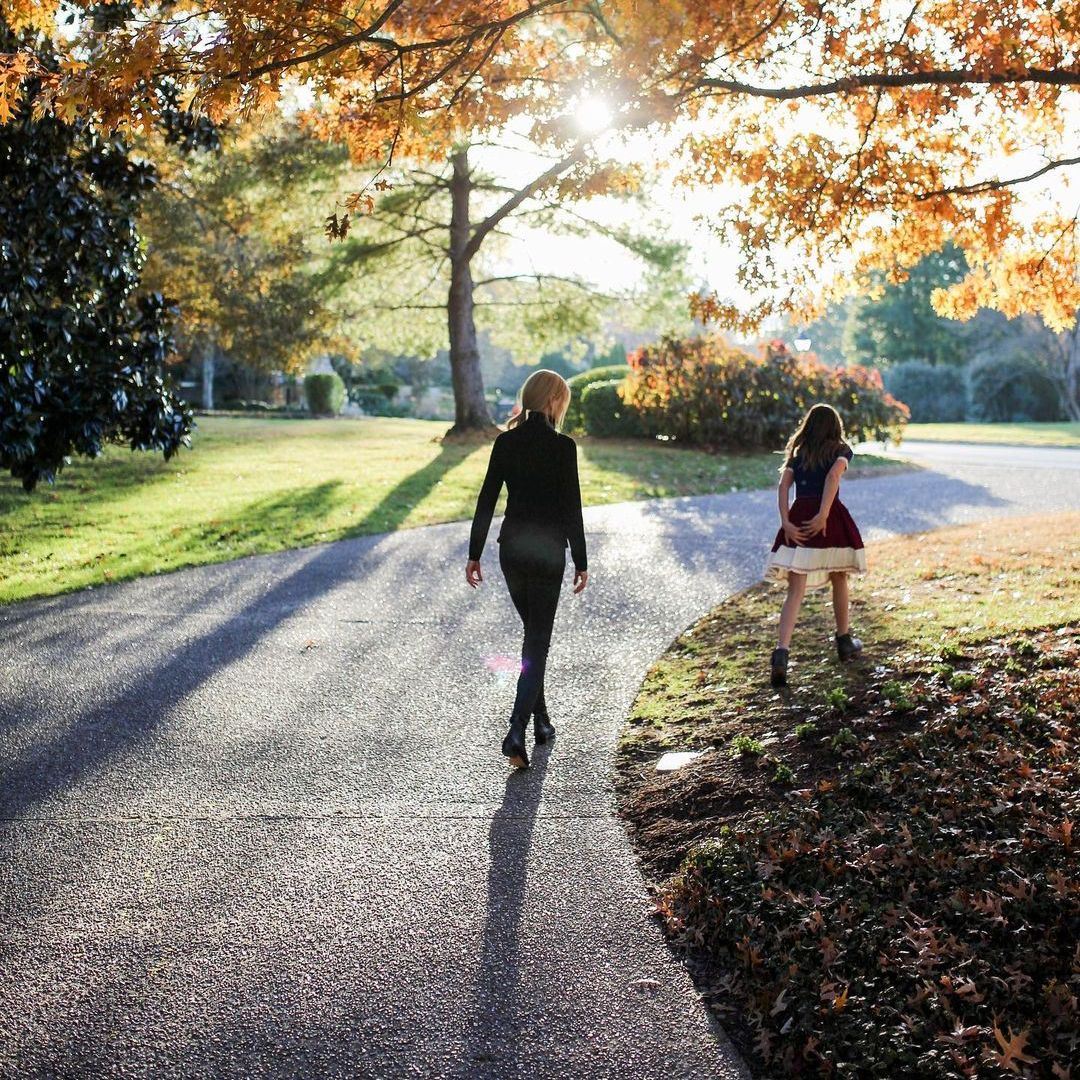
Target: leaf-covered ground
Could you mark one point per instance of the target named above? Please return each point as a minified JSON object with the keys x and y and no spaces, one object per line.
{"x":874,"y":872}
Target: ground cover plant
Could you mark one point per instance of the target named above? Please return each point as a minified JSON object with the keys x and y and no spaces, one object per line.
{"x":1033,"y":434}
{"x":889,"y":886}
{"x":264,"y":484}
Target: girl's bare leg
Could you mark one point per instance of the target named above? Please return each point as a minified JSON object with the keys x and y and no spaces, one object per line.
{"x":840,"y":602}
{"x":796,"y":590}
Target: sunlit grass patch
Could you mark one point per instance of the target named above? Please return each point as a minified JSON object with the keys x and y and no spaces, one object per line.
{"x":1033,"y":434}
{"x":251,"y":486}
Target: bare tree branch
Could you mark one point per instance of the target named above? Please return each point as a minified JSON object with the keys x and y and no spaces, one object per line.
{"x":515,"y":200}
{"x":897,"y":80}
{"x":982,"y":186}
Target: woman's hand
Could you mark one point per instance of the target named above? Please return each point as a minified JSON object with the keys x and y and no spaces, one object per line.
{"x":473,"y":577}
{"x":792,"y":533}
{"x":581,"y":579}
{"x":814,"y":526}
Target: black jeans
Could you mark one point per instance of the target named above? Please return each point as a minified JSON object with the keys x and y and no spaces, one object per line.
{"x":533,"y":565}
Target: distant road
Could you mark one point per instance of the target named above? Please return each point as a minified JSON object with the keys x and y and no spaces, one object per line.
{"x":983,"y":455}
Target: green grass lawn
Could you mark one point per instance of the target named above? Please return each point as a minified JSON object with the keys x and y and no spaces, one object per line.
{"x":259,"y":485}
{"x":1013,"y":434}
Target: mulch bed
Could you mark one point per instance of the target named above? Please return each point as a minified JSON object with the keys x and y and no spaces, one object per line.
{"x":895,"y":892}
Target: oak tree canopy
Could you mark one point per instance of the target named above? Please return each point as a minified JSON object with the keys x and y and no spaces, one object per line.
{"x":853,"y":135}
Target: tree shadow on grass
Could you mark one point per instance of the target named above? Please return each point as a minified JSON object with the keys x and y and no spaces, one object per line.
{"x":276,"y":514}
{"x":224,"y":537}
{"x":393,"y":509}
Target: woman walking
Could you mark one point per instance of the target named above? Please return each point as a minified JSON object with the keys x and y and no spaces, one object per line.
{"x":818,"y":542}
{"x":538,"y":464}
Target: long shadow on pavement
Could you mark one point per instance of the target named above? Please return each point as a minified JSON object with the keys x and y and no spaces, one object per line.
{"x":913,"y":503}
{"x":498,"y":1009}
{"x":101,"y":732}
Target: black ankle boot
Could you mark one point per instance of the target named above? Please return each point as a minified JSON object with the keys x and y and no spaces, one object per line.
{"x":848,"y":647}
{"x":543,"y":728}
{"x":778,"y":667}
{"x":513,"y":745}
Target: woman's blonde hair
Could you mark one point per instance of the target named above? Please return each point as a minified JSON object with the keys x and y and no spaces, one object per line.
{"x":545,"y":392}
{"x":819,"y":439}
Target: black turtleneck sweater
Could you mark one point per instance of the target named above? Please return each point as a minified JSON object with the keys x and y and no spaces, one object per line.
{"x":539,"y":467}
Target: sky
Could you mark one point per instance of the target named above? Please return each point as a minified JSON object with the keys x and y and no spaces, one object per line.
{"x":685,"y":210}
{"x":675,"y":206}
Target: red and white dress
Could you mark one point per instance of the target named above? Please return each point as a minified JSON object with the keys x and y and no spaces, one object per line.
{"x":839,"y":549}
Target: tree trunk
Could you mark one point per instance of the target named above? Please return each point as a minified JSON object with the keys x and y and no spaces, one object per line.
{"x":470,"y":407}
{"x":1072,"y":372}
{"x":208,"y":354}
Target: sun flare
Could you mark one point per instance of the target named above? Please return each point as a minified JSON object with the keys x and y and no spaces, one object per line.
{"x":593,"y":114}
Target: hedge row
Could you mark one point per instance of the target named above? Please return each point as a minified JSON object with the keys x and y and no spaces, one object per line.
{"x":575,"y":414}
{"x":994,"y":388}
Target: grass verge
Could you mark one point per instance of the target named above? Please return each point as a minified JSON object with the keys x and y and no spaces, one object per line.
{"x":1064,"y":434}
{"x":256,"y":485}
{"x":873,"y":872}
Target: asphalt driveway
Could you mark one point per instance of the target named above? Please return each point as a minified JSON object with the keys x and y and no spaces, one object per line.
{"x":254,"y":822}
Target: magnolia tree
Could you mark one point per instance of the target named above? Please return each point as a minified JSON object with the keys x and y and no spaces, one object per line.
{"x":853,"y":136}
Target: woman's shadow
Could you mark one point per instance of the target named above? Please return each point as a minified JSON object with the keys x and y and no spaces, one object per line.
{"x":500,"y":1013}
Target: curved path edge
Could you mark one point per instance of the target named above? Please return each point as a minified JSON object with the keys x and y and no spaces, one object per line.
{"x":253,"y":821}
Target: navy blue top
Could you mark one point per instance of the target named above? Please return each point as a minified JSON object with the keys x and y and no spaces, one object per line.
{"x":811,"y":482}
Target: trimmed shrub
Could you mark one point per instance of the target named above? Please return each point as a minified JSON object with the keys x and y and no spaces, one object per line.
{"x":708,"y":392}
{"x":606,"y":414}
{"x":1012,"y":388}
{"x":575,"y":418}
{"x":378,"y":399}
{"x":935,"y":394}
{"x":324,"y":394}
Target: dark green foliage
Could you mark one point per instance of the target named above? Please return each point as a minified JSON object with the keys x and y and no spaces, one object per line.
{"x":605,"y":413}
{"x":902,"y":324}
{"x":82,"y":353}
{"x":372,"y":387}
{"x":704,"y":391}
{"x":934,"y":393}
{"x":1013,"y":388}
{"x":918,"y":914}
{"x":324,"y":394}
{"x":575,"y":418}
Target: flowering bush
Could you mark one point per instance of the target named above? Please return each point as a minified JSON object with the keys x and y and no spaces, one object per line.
{"x":706,"y":391}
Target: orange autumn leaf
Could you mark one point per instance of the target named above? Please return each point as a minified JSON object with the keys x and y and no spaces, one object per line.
{"x":886,"y":131}
{"x":1011,"y":1055}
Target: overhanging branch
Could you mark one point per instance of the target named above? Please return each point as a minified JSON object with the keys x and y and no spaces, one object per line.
{"x":983,"y":186}
{"x":897,"y":80}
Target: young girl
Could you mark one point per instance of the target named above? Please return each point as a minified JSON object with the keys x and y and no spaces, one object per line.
{"x":538,"y":465}
{"x":818,"y":541}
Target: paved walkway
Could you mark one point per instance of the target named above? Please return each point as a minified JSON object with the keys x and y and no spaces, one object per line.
{"x":254,"y":823}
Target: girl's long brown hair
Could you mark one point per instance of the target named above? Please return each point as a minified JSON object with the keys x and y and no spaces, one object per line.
{"x":819,"y":439}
